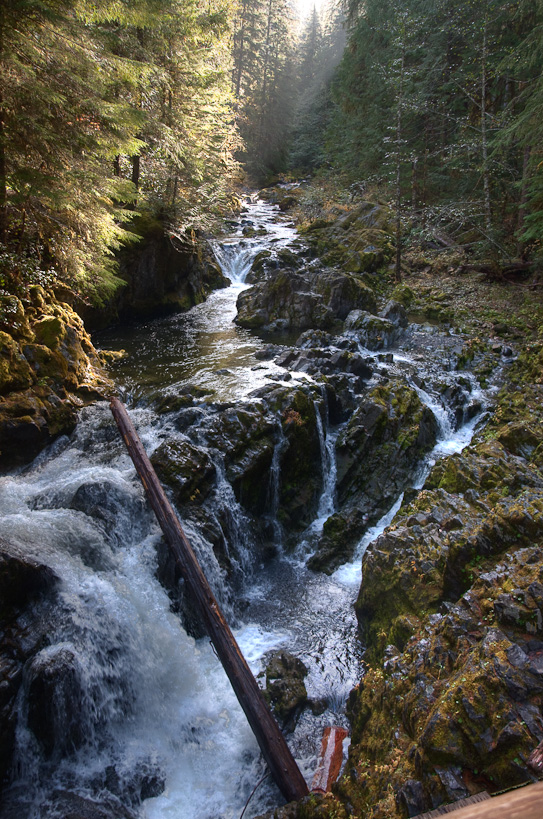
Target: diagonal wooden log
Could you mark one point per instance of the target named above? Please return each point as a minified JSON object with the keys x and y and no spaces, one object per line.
{"x":272,"y":742}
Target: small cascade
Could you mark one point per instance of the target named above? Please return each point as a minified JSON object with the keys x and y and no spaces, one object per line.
{"x":235,"y":258}
{"x":233,"y":522}
{"x":327,"y":441}
{"x":261,"y":229}
{"x":274,"y":486}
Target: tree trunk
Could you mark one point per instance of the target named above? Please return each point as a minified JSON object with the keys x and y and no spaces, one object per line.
{"x":3,"y":172}
{"x":398,"y":264}
{"x":484,"y":136}
{"x":136,"y":170}
{"x":272,"y":742}
{"x":523,"y":199}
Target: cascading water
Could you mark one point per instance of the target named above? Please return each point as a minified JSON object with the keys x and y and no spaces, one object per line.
{"x":141,"y":704}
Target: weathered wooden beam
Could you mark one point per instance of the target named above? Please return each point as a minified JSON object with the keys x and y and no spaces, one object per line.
{"x":521,"y":803}
{"x":272,"y":742}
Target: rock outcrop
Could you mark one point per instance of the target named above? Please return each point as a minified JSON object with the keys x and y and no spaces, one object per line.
{"x":49,"y":369}
{"x":296,"y":301}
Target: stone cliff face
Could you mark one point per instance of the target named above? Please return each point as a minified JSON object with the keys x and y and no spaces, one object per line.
{"x":164,"y":273}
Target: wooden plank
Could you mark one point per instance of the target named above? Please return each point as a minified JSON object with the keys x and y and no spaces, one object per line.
{"x":452,"y":806}
{"x":272,"y":742}
{"x":522,"y":803}
{"x":536,"y":759}
{"x":330,"y":759}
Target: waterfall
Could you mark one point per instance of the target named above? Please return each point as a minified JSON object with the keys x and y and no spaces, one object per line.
{"x":327,"y":441}
{"x":274,"y":486}
{"x":233,"y":522}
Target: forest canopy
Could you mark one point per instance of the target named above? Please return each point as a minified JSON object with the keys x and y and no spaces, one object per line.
{"x":114,"y":112}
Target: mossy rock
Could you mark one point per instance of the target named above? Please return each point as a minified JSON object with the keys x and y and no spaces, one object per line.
{"x":49,"y":331}
{"x":15,"y":372}
{"x":300,"y":466}
{"x":46,"y":363}
{"x":340,"y":535}
{"x":403,"y":294}
{"x":186,"y":469}
{"x":285,"y":688}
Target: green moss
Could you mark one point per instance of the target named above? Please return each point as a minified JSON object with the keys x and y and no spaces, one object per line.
{"x":15,"y":373}
{"x":49,"y":331}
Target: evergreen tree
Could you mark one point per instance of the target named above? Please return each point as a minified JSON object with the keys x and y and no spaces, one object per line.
{"x":103,"y":106}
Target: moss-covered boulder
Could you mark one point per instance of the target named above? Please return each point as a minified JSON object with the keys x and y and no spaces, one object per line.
{"x":187,"y":469}
{"x":380,"y":448}
{"x":246,"y":436}
{"x":374,"y":332}
{"x":289,"y":301}
{"x":285,"y":688}
{"x":48,"y":370}
{"x":15,"y":372}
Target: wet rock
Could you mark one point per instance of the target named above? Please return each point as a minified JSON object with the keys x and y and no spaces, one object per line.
{"x":374,"y":332}
{"x":55,"y":701}
{"x":340,"y":536}
{"x":187,"y":469}
{"x":122,"y":512}
{"x":296,"y":301}
{"x":300,"y":463}
{"x":26,"y":592}
{"x":246,"y":436}
{"x":380,"y":448}
{"x":395,"y":312}
{"x":22,"y":578}
{"x":70,"y":805}
{"x":285,"y":688}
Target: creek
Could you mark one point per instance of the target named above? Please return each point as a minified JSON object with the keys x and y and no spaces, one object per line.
{"x":142,"y":717}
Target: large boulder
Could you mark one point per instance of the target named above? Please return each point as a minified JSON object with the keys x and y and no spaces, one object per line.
{"x":48,"y":370}
{"x":380,"y":449}
{"x":26,"y":589}
{"x":289,"y":301}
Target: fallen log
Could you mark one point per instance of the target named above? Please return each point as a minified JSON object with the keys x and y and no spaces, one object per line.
{"x":272,"y":742}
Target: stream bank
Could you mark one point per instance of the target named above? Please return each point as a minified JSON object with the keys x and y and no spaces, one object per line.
{"x":283,"y":454}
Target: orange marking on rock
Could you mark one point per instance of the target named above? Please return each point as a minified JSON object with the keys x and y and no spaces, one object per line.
{"x":330,"y":759}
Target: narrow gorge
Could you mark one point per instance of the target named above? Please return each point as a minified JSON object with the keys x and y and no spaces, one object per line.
{"x":359,"y":476}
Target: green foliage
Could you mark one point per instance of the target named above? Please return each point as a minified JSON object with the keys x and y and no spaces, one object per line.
{"x":106,"y":108}
{"x":440,"y":103}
